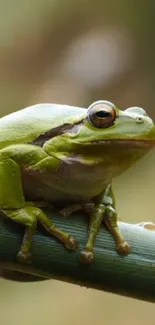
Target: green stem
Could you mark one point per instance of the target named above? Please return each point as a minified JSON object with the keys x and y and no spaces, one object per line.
{"x":132,"y":276}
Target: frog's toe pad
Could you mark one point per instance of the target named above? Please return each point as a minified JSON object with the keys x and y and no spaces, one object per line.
{"x":24,"y":258}
{"x":123,"y":248}
{"x":72,"y":243}
{"x":86,"y":257}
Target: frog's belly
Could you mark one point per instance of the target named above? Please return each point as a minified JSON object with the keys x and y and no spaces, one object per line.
{"x":68,"y":186}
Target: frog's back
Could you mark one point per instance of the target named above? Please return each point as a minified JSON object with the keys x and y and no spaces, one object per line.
{"x":26,"y":125}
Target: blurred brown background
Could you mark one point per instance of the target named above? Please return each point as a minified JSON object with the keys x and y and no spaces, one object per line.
{"x":76,"y":52}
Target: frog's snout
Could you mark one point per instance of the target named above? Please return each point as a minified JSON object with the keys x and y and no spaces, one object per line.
{"x":135,"y":110}
{"x":138,"y":115}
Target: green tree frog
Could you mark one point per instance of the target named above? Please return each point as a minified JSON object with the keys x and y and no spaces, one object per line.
{"x":67,"y":156}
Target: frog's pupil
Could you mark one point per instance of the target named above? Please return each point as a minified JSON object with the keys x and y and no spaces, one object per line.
{"x":103,"y":114}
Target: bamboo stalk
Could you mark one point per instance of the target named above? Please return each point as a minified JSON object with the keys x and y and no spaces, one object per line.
{"x":132,"y":276}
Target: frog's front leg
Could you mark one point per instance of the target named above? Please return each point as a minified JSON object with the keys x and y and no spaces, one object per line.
{"x":104,"y":210}
{"x":12,"y":200}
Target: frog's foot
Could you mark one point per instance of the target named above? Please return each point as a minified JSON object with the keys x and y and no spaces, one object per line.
{"x":71,"y":243}
{"x":86,"y":257}
{"x":123,"y":248}
{"x":24,"y":257}
{"x":147,"y":225}
{"x":67,"y":211}
{"x":68,"y":240}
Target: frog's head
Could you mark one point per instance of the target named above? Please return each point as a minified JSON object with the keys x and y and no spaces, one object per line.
{"x":111,"y":135}
{"x":104,"y":122}
{"x":107,"y":135}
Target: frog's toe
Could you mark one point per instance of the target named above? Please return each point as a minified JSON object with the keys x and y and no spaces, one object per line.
{"x":65,"y":212}
{"x":24,"y":257}
{"x":72,"y":243}
{"x":86,"y":257}
{"x":123,"y":248}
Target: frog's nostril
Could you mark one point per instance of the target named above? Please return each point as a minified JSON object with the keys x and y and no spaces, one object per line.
{"x":139,"y":120}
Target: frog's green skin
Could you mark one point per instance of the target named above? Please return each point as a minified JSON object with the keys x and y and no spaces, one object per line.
{"x":53,"y":153}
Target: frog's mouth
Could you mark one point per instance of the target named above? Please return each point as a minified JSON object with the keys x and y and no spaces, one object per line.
{"x":141,"y":143}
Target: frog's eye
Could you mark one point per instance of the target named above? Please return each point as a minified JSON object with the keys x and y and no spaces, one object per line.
{"x":102,"y":114}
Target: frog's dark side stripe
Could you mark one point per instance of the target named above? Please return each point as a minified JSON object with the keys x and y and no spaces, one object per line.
{"x":65,"y":128}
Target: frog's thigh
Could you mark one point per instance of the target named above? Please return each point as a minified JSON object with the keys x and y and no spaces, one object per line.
{"x":11,"y":194}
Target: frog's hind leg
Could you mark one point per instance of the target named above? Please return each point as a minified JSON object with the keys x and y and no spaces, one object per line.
{"x":13,"y":205}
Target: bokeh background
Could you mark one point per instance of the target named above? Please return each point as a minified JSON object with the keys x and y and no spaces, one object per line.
{"x":76,"y":52}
